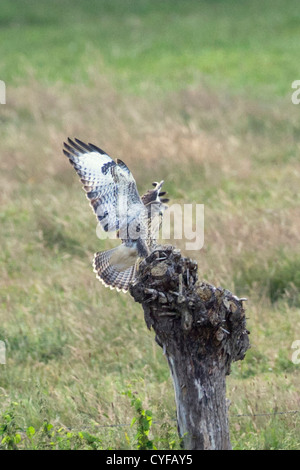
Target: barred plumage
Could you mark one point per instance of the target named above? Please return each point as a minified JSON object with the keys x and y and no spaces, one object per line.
{"x":113,"y":195}
{"x":109,"y":274}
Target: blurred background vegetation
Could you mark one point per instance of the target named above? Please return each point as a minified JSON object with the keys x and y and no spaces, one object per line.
{"x":197,"y":93}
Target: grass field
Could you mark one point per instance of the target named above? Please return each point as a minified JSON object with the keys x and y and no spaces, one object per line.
{"x":197,"y":93}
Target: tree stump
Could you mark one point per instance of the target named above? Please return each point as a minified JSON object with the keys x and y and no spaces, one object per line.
{"x":201,"y":329}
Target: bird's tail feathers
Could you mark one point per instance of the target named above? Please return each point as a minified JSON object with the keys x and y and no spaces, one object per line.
{"x":109,"y":274}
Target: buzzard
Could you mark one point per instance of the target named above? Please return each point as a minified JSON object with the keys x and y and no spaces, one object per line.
{"x":113,"y":196}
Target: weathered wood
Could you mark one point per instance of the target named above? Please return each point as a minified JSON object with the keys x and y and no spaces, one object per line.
{"x":201,"y":329}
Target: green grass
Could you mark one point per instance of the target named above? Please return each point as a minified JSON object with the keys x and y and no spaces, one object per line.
{"x":147,"y":46}
{"x":196,"y":93}
{"x":279,"y":277}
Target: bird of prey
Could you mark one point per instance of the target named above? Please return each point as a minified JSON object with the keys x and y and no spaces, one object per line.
{"x":113,"y":195}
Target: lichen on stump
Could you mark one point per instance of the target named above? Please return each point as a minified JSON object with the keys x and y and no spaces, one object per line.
{"x":202,"y":330}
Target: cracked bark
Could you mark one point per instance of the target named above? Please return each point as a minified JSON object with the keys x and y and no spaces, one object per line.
{"x":201,"y":329}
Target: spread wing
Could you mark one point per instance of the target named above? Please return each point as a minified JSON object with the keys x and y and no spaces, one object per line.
{"x":110,"y":188}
